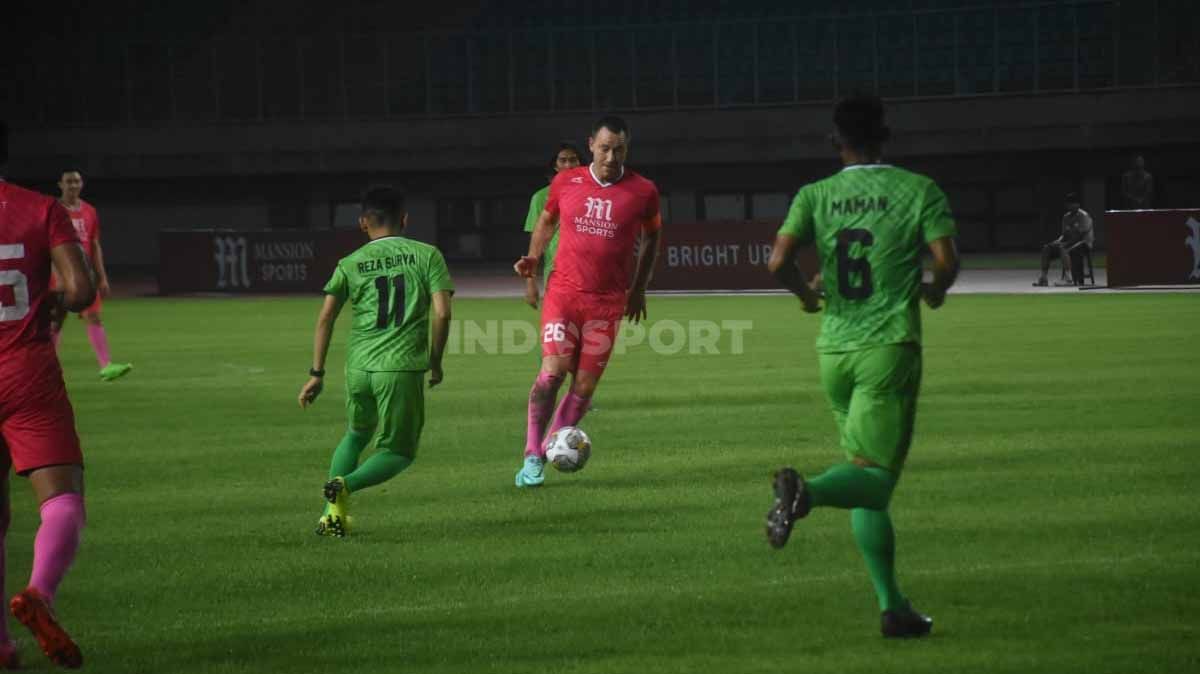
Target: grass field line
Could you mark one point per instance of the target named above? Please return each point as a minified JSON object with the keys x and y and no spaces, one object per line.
{"x":620,"y":592}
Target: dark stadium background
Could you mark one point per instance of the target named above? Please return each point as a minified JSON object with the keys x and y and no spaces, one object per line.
{"x":269,"y":114}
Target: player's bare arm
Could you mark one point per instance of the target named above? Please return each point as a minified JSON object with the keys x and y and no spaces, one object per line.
{"x":74,"y":276}
{"x":101,"y":272}
{"x":532,"y":295}
{"x":635,"y":307}
{"x":945,"y":271}
{"x":321,"y":338}
{"x":528,"y":265}
{"x":441,"y":332}
{"x":783,"y":266}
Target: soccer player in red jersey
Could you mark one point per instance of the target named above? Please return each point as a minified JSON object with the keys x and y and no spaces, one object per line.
{"x":37,"y":424}
{"x":87,"y":227}
{"x":601,"y":210}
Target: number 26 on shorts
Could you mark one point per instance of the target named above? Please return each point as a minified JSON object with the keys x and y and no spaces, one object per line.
{"x":554,"y":332}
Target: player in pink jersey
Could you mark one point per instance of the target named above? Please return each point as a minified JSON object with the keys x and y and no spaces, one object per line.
{"x":37,"y":424}
{"x":87,"y":227}
{"x":601,"y":211}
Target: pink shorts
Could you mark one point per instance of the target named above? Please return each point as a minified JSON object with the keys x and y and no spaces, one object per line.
{"x":582,"y":326}
{"x":37,"y":423}
{"x":93,"y":308}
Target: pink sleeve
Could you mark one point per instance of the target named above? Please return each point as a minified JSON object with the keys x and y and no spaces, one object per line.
{"x":653,"y":217}
{"x":555,"y":188}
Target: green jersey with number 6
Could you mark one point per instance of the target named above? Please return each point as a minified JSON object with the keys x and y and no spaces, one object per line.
{"x":870,"y":223}
{"x":390,"y":283}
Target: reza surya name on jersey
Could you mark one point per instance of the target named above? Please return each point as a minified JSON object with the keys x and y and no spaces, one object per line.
{"x":385,"y":263}
{"x":598,"y":220}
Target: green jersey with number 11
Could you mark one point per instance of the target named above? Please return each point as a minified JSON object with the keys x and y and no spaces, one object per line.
{"x":390,"y":283}
{"x":870,"y":223}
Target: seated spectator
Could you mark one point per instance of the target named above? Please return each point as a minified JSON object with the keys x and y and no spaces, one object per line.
{"x":1077,"y":238}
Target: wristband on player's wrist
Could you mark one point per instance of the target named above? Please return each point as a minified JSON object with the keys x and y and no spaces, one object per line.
{"x":316,"y":373}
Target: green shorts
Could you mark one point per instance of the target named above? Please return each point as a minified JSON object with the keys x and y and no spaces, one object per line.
{"x":874,"y":397}
{"x":392,"y":401}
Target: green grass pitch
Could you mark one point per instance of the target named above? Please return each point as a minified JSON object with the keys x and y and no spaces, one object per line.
{"x":1047,"y":518}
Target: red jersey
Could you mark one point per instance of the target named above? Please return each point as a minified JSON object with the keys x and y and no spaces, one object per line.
{"x":87,"y":225}
{"x":30,"y":225}
{"x":598,"y":226}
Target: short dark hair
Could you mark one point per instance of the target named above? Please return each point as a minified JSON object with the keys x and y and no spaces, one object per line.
{"x":553,"y":165}
{"x":1072,"y":198}
{"x":3,"y":142}
{"x":859,"y":122}
{"x":385,"y":202}
{"x":612,"y":123}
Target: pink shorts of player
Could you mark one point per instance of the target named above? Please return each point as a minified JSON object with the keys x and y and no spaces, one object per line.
{"x":93,"y":308}
{"x":37,"y":424}
{"x":581,"y":325}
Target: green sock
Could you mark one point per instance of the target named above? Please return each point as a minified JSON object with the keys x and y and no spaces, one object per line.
{"x":877,"y":542}
{"x":345,"y":457}
{"x":381,"y":467}
{"x":849,"y":485}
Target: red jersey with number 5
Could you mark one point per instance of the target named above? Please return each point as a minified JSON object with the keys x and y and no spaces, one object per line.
{"x":30,"y":225}
{"x":598,"y":227}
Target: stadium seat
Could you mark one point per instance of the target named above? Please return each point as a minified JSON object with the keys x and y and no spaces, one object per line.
{"x":1080,"y":261}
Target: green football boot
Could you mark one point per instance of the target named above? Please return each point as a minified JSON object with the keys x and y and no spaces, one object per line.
{"x":114,"y":371}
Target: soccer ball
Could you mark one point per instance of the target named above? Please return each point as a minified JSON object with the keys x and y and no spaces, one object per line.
{"x":568,"y":449}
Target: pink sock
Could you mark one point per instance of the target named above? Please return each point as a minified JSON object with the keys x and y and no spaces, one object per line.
{"x":99,"y":344}
{"x":56,"y":337}
{"x":56,"y":542}
{"x":570,"y":411}
{"x":541,"y":406}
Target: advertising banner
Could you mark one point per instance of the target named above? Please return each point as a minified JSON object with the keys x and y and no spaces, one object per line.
{"x":1153,"y":247}
{"x":720,"y":256}
{"x":280,"y":261}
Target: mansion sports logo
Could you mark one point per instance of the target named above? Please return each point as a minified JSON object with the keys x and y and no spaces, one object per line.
{"x":230,"y":255}
{"x":599,"y":208}
{"x":1193,"y":241}
{"x":598,"y":220}
{"x":263,"y":263}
